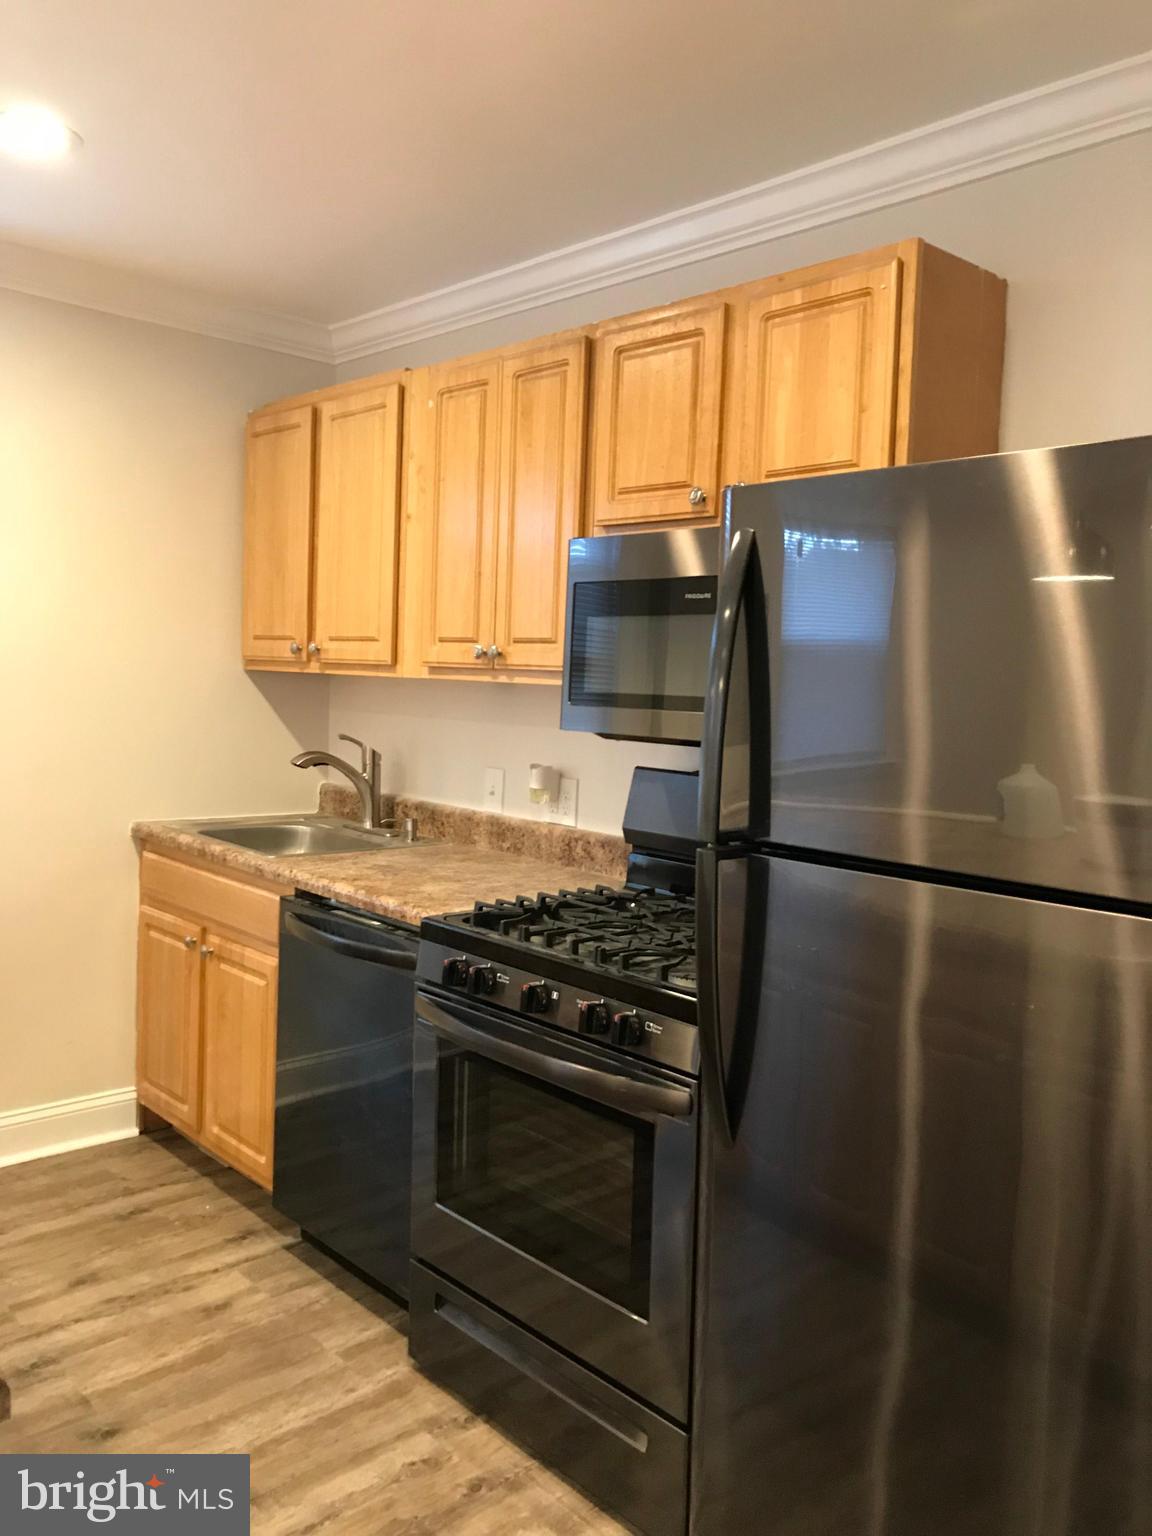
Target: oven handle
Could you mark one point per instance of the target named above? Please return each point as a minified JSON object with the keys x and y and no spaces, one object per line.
{"x":617,"y":1089}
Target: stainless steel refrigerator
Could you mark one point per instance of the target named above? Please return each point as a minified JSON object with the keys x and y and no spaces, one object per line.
{"x":925,"y":1261}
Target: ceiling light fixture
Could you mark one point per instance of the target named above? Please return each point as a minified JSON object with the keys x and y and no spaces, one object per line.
{"x":31,"y":132}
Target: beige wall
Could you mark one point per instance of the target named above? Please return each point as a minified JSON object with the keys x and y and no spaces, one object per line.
{"x":122,"y":693}
{"x":1073,"y":237}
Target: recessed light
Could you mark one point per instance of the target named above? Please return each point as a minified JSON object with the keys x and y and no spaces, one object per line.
{"x":30,"y":132}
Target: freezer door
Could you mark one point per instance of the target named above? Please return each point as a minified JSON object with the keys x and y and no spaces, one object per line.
{"x":925,"y":1266}
{"x":956,"y":667}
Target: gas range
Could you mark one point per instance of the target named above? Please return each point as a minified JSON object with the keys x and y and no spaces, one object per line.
{"x":637,"y":932}
{"x":616,"y":965}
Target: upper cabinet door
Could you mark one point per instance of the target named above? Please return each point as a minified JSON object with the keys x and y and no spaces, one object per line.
{"x":278,"y":536}
{"x":455,"y":471}
{"x":357,"y":527}
{"x":816,"y":367}
{"x":542,"y":418}
{"x":656,"y":417}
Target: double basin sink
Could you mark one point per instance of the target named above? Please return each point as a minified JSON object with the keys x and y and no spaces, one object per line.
{"x":283,"y":836}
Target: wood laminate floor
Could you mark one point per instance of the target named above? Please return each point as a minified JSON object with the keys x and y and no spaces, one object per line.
{"x":151,"y":1300}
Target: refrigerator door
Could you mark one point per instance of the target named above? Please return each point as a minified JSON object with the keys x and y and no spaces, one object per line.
{"x":925,"y":1261}
{"x":955,"y":667}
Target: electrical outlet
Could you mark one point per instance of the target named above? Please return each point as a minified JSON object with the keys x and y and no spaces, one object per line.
{"x":493,"y":789}
{"x":564,"y":809}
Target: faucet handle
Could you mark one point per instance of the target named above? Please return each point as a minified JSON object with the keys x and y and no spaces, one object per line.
{"x":356,"y":742}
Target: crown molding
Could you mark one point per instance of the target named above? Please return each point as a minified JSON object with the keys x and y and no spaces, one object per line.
{"x":1092,"y":108}
{"x":1087,"y":109}
{"x":50,"y":275}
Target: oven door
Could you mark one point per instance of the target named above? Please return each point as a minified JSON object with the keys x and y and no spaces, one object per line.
{"x":558,"y":1182}
{"x":639,"y":634}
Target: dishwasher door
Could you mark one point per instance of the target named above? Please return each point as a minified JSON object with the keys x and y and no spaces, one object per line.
{"x":343,"y":1164}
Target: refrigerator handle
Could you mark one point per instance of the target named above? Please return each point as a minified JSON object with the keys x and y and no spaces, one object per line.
{"x":729,"y":601}
{"x":713,"y":1070}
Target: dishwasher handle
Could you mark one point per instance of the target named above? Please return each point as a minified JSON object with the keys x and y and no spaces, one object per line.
{"x":617,"y":1088}
{"x":376,"y":954}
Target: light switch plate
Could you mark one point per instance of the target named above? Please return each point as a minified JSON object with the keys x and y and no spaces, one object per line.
{"x":564,"y":810}
{"x":493,"y":789}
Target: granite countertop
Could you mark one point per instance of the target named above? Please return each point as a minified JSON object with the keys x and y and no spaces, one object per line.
{"x":477,"y":857}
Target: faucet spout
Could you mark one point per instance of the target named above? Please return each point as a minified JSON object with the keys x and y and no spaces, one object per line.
{"x":367,"y":787}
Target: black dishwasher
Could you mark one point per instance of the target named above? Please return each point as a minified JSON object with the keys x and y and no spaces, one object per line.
{"x":344,"y":1083}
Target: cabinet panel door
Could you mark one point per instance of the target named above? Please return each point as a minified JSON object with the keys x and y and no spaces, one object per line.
{"x":542,"y":413}
{"x":278,"y":536}
{"x":168,"y":1017}
{"x":656,"y":417}
{"x":358,"y":527}
{"x":458,"y":471}
{"x":240,"y":1056}
{"x":816,"y":385}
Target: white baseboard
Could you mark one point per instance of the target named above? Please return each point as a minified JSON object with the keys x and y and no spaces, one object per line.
{"x":45,"y":1129}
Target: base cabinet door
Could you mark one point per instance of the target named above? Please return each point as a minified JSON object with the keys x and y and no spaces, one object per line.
{"x":168,"y":1022}
{"x":816,"y":375}
{"x":278,"y":537}
{"x":239,"y":1056}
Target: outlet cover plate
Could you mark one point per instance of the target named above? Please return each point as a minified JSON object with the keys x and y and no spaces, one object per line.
{"x":493,"y":789}
{"x":564,"y":811}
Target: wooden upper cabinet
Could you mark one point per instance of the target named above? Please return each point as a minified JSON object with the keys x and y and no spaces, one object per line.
{"x":456,"y":474}
{"x":658,"y":397}
{"x":278,"y":536}
{"x":815,"y":375}
{"x":357,"y":528}
{"x":889,"y":356}
{"x":542,"y":420}
{"x":168,"y":1017}
{"x":239,"y":1056}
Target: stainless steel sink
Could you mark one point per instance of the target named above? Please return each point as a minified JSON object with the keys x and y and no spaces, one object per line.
{"x":285,"y":835}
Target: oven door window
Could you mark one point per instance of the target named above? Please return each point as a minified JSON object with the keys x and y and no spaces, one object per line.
{"x":566,"y":1181}
{"x":642,"y":644}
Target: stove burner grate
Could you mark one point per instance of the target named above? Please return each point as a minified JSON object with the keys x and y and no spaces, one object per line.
{"x":636,"y":931}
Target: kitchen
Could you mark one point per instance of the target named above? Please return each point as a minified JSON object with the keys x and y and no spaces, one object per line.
{"x":248,"y":545}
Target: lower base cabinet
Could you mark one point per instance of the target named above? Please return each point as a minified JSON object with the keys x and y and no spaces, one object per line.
{"x":206,"y":1009}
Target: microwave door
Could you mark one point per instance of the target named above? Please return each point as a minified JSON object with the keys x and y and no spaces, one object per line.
{"x":639,"y":629}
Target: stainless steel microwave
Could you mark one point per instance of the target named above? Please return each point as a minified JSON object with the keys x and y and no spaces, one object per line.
{"x":639,"y":631}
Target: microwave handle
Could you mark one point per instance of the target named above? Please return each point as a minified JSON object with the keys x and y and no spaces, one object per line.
{"x":729,"y":602}
{"x":618,"y":1090}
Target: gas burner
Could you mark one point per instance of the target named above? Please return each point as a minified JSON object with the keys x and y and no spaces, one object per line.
{"x":634,"y":931}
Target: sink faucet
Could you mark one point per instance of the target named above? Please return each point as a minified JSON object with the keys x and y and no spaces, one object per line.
{"x":365,"y":779}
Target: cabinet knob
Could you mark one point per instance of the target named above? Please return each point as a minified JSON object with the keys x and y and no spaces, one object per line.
{"x":494,"y":651}
{"x":294,"y":647}
{"x":189,"y":941}
{"x":479,"y":652}
{"x":313,"y":648}
{"x":697,"y":496}
{"x":207,"y":951}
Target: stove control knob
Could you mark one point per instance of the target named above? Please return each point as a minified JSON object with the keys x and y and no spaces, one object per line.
{"x":594,"y":1018}
{"x":455,"y":972}
{"x":629,"y":1029}
{"x":482,"y":979}
{"x":535,"y":997}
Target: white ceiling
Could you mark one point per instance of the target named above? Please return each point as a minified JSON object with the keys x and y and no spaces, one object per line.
{"x":322,"y":158}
